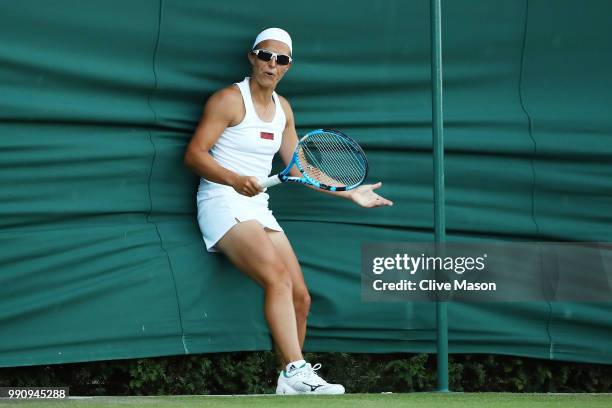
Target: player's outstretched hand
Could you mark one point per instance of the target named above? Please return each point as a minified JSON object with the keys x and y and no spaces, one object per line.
{"x":247,"y":185}
{"x":365,"y":196}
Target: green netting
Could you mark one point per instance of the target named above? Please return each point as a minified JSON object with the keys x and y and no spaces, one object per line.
{"x":100,"y":253}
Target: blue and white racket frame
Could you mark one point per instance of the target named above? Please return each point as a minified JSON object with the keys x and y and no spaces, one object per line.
{"x":284,"y":177}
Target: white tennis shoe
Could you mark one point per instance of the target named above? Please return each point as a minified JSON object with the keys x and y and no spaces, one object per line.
{"x":304,"y":380}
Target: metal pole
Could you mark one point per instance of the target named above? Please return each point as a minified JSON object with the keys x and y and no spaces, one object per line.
{"x":438,"y":151}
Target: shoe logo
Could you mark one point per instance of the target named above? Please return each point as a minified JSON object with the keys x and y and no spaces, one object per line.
{"x":312,"y":387}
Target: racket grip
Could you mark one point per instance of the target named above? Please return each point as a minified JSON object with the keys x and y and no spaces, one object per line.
{"x":270,"y":181}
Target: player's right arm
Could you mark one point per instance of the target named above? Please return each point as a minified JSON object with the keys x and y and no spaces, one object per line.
{"x":223,"y":109}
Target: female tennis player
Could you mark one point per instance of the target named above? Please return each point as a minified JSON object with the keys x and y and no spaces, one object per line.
{"x":242,"y":127}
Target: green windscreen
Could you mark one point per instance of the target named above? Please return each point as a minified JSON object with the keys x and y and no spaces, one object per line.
{"x":100,"y":252}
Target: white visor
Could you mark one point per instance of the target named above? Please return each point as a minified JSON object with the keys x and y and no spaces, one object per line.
{"x":277,"y":34}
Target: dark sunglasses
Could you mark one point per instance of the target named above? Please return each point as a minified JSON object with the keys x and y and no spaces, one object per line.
{"x":265,"y":55}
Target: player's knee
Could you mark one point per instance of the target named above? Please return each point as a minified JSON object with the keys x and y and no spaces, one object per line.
{"x":301,"y":302}
{"x":277,"y":275}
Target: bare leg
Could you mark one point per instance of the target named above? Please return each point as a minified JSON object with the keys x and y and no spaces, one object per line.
{"x":301,"y":297}
{"x":250,"y":249}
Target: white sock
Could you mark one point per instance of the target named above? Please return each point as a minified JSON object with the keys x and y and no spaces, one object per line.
{"x":295,"y":365}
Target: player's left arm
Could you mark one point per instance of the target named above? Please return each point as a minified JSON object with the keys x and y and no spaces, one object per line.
{"x":290,"y":137}
{"x":363,"y":195}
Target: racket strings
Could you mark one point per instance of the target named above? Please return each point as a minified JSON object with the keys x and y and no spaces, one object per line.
{"x":344,"y":162}
{"x":332,"y":160}
{"x":355,"y":159}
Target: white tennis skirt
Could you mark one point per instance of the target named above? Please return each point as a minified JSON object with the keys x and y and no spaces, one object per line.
{"x":218,"y":213}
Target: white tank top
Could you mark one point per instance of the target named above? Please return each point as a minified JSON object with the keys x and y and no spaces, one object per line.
{"x":248,"y":147}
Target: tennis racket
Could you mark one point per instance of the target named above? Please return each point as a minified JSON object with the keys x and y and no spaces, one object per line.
{"x":328,"y":159}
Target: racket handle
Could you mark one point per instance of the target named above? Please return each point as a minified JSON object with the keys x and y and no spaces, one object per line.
{"x":270,"y":181}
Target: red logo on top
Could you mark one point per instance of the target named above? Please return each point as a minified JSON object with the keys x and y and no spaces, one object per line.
{"x":266,"y":135}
